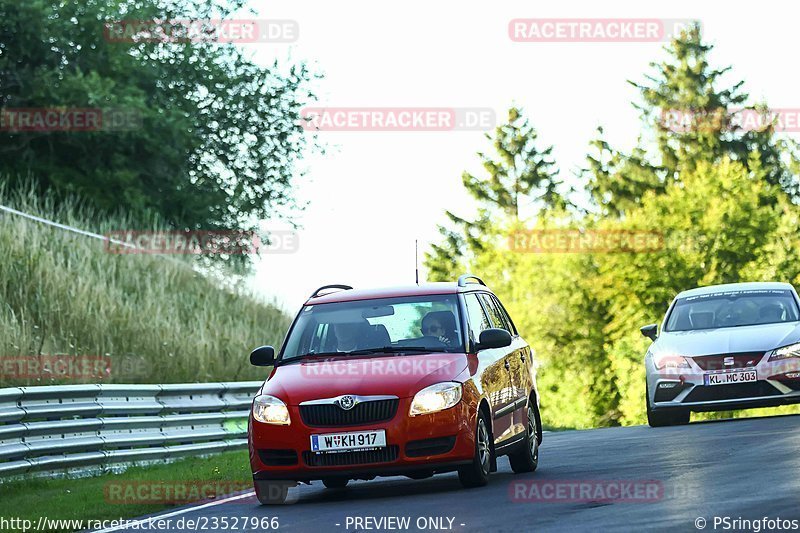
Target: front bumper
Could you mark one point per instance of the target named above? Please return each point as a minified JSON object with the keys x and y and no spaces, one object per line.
{"x":431,"y":443}
{"x":778,"y":383}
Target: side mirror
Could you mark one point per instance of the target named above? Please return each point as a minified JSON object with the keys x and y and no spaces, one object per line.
{"x":650,"y":331}
{"x":494,"y":338}
{"x":263,"y":356}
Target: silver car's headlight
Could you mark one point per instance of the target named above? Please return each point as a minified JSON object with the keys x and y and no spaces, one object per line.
{"x":436,"y":398}
{"x":270,"y":410}
{"x":778,"y":354}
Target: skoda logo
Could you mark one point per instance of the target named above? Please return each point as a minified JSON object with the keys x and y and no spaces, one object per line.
{"x":347,"y":402}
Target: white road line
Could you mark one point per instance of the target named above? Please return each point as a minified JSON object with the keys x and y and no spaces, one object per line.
{"x":134,"y":523}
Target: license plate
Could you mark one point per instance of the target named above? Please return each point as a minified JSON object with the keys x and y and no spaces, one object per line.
{"x":355,"y":440}
{"x":726,"y":378}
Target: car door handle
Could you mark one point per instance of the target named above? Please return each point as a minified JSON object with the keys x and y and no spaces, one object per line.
{"x":507,"y":365}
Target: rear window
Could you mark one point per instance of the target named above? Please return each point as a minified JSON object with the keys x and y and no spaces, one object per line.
{"x":733,"y":308}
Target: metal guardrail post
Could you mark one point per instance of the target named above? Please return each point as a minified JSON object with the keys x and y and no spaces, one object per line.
{"x":61,"y":427}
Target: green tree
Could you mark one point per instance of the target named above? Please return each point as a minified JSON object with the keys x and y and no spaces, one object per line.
{"x":519,"y":172}
{"x":685,"y":86}
{"x":218,"y":137}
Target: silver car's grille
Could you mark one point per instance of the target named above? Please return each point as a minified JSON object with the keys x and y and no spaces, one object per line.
{"x":756,"y":389}
{"x":729,"y":361}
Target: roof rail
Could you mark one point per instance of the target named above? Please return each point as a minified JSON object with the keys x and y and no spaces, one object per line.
{"x":336,"y":286}
{"x":462,"y":280}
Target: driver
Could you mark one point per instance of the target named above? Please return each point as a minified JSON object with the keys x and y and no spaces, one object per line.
{"x":440,"y":324}
{"x":347,"y":336}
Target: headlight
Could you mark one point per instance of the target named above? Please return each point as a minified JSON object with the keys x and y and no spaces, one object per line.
{"x":436,"y":398}
{"x":670,"y":361}
{"x":270,"y":410}
{"x":793,"y":350}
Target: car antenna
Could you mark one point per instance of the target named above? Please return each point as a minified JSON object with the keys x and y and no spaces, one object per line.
{"x":416,"y":259}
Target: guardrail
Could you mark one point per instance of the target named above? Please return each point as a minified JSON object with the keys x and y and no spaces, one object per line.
{"x":72,"y":426}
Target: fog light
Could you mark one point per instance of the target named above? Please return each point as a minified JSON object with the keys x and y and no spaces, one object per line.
{"x":793,"y":375}
{"x":667,"y":385}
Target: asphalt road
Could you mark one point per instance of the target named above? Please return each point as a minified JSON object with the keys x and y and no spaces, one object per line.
{"x":744,"y":468}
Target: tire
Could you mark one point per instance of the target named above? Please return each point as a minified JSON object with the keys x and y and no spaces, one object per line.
{"x":665,"y":417}
{"x":476,"y":474}
{"x":526,"y":459}
{"x":273,"y":492}
{"x":335,"y":482}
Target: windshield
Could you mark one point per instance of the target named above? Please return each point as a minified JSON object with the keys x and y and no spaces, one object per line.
{"x":731,"y":309}
{"x":419,"y":323}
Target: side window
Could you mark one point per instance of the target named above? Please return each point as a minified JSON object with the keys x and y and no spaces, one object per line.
{"x":318,"y":337}
{"x":475,"y":316}
{"x":496,"y":316}
{"x":511,"y":327}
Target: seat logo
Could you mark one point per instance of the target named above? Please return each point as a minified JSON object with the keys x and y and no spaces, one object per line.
{"x":728,"y":361}
{"x":347,"y":402}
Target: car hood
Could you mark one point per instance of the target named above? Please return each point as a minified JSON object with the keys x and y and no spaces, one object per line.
{"x":758,"y":338}
{"x":397,"y":375}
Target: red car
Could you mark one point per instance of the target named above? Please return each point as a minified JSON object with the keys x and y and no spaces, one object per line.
{"x":407,"y":381}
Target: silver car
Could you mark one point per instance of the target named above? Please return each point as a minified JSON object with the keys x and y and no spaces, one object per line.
{"x":724,"y":347}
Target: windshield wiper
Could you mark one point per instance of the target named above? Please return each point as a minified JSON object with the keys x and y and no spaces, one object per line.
{"x":395,"y":349}
{"x":365,"y":351}
{"x":301,"y":357}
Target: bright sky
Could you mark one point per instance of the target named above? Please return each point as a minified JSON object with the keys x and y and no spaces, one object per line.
{"x":374,"y":193}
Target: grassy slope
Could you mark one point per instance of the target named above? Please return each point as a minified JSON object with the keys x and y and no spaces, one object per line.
{"x":87,"y":499}
{"x":156,"y":317}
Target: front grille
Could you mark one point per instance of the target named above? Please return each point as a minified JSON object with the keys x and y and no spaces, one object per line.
{"x":330,"y":415}
{"x":278,"y":457}
{"x":731,"y":392}
{"x":740,"y":360}
{"x":357,"y":457}
{"x":437,"y":446}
